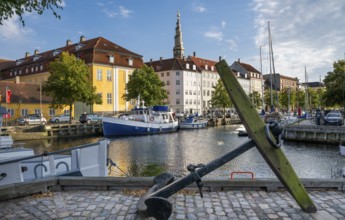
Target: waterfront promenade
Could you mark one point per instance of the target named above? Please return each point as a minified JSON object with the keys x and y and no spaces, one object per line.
{"x":118,"y":204}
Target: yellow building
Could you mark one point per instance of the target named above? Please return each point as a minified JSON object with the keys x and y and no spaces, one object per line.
{"x":110,"y":66}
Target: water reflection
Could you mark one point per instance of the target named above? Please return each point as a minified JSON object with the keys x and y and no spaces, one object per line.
{"x":173,"y":152}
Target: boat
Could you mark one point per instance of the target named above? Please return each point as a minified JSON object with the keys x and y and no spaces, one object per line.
{"x":241,"y":131}
{"x":89,"y":160}
{"x":9,"y":150}
{"x":342,"y":149}
{"x":193,"y":122}
{"x":140,"y":121}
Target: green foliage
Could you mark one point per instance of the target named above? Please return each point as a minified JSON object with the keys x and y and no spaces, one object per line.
{"x":220,"y":98}
{"x":150,"y":169}
{"x":335,"y":87}
{"x":9,"y":8}
{"x":256,"y":99}
{"x":146,"y":83}
{"x":69,"y":82}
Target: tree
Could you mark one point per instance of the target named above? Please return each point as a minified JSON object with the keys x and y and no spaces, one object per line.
{"x":9,"y":8}
{"x":220,"y":97}
{"x":146,"y":83}
{"x":255,"y":99}
{"x":69,"y":82}
{"x":334,"y":83}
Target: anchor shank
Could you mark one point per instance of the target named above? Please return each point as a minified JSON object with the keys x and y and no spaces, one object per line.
{"x":174,"y":187}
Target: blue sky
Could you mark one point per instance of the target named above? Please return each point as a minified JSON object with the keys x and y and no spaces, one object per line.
{"x":307,"y":33}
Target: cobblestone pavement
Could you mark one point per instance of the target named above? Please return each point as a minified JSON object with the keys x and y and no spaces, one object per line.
{"x":215,"y":205}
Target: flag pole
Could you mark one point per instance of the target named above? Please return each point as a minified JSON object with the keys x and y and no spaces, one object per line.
{"x":6,"y":106}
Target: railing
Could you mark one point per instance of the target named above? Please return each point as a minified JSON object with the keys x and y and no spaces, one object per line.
{"x":241,"y":172}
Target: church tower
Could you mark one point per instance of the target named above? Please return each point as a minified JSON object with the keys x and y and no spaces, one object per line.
{"x":178,"y":48}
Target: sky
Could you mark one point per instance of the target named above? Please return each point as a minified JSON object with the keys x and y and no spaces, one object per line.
{"x":307,"y":35}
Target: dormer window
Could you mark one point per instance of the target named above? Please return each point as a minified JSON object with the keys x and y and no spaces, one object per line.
{"x":194,"y":67}
{"x":56,"y":52}
{"x":212,"y":68}
{"x":36,"y":57}
{"x":18,"y":62}
{"x":130,"y":62}
{"x":206,"y":67}
{"x":111,"y":59}
{"x":79,"y":46}
{"x":187,"y":66}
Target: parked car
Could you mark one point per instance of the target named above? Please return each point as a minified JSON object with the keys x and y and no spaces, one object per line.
{"x":334,"y":118}
{"x":88,"y":118}
{"x":33,"y":119}
{"x":60,"y":118}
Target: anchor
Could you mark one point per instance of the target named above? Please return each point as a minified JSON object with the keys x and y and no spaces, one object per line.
{"x":266,"y":138}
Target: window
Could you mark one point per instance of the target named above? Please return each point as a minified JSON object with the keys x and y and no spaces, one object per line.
{"x":168,"y":82}
{"x":194,"y":67}
{"x":37,"y":111}
{"x":177,"y":92}
{"x":190,"y":101}
{"x":20,"y":72}
{"x":208,"y":92}
{"x":194,"y":102}
{"x":51,"y":112}
{"x":168,"y":73}
{"x":32,"y":69}
{"x":109,"y":98}
{"x":194,"y":92}
{"x":203,"y":92}
{"x":10,"y":111}
{"x":66,"y":111}
{"x":36,"y":68}
{"x":111,"y":59}
{"x":26,"y":70}
{"x":187,"y":66}
{"x":162,"y":74}
{"x":24,"y":112}
{"x":177,"y":101}
{"x":168,"y":92}
{"x":41,"y":67}
{"x":190,"y":92}
{"x":130,"y":62}
{"x":108,"y":75}
{"x":177,"y":73}
{"x":99,"y":74}
{"x":186,"y":102}
{"x":186,"y":92}
{"x":177,"y":82}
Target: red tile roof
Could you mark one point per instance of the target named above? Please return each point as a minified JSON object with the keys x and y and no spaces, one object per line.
{"x":201,"y":63}
{"x":171,"y":64}
{"x":96,"y":50}
{"x":248,"y":67}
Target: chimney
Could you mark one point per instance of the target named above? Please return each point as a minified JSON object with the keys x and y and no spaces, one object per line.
{"x":36,"y":52}
{"x":17,"y":80}
{"x":194,"y":54}
{"x":82,"y":38}
{"x":239,"y":60}
{"x":161,"y":58}
{"x":220,"y":58}
{"x":68,"y":42}
{"x":151,"y":60}
{"x":27,"y":54}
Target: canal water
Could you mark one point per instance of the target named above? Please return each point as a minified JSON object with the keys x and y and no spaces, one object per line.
{"x":137,"y":156}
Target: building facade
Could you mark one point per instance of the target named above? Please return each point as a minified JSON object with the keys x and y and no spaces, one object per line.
{"x":110,"y":66}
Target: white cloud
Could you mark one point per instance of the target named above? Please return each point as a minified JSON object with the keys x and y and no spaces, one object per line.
{"x":304,"y":33}
{"x":217,"y":35}
{"x":223,"y":24}
{"x":109,"y":13}
{"x":62,"y":3}
{"x":231,"y":44}
{"x":12,"y":30}
{"x":124,"y":12}
{"x":198,"y":8}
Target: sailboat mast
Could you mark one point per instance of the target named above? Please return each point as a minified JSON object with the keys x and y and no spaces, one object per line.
{"x":274,"y":71}
{"x":270,"y":59}
{"x":262,"y":82}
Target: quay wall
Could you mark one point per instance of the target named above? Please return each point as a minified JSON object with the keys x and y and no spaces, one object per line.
{"x":314,"y":133}
{"x":53,"y":131}
{"x":65,"y":183}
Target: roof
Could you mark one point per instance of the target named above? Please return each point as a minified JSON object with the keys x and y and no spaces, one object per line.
{"x":314,"y":84}
{"x":172,"y":64}
{"x":22,"y":93}
{"x":202,"y":63}
{"x":96,"y":50}
{"x":248,"y":67}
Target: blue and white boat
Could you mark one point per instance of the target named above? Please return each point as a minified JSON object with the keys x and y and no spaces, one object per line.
{"x":140,"y":121}
{"x":193,"y":122}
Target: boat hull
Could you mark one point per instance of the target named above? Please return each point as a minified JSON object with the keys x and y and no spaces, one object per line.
{"x":120,"y":127}
{"x":193,"y":125}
